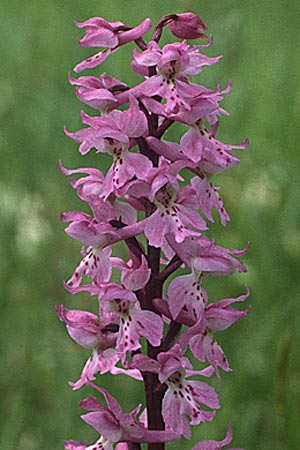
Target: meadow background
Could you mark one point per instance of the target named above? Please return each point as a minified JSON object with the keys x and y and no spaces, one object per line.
{"x":260,"y":43}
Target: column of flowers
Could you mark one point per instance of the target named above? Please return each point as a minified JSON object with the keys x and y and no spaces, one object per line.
{"x":157,"y":197}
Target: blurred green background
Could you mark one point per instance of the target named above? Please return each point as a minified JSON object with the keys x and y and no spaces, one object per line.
{"x":260,"y":43}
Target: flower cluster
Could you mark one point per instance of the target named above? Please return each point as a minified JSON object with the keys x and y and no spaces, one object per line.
{"x":157,"y":197}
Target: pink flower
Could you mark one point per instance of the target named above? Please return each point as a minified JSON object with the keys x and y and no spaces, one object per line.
{"x":86,"y":329}
{"x":134,"y":321}
{"x":175,"y":64}
{"x":136,"y":274}
{"x":89,"y":189}
{"x":187,"y":291}
{"x":216,"y":445}
{"x":197,"y":144}
{"x":114,"y":134}
{"x":216,"y":317}
{"x":93,"y":92}
{"x":202,"y":255}
{"x":96,"y":262}
{"x":174,"y":214}
{"x":116,"y":426}
{"x":87,"y":230}
{"x":203,"y":105}
{"x":214,"y":159}
{"x":120,"y":126}
{"x":182,"y":397}
{"x":109,"y":35}
{"x":207,"y":198}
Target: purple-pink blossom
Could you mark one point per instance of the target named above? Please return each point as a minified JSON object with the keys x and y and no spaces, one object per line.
{"x":134,"y":321}
{"x":175,"y":64}
{"x":109,"y":35}
{"x":116,"y":426}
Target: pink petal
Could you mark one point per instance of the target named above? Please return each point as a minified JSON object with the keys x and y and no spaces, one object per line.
{"x":135,"y":33}
{"x":74,"y":445}
{"x":93,"y":61}
{"x":191,"y":145}
{"x":149,"y":325}
{"x":156,"y":228}
{"x":134,"y":122}
{"x":105,"y":424}
{"x":215,"y":265}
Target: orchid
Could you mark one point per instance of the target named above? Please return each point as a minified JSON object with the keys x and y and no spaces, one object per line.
{"x":85,"y":328}
{"x":175,"y":64}
{"x":183,"y":397}
{"x":95,"y":91}
{"x":109,"y":35}
{"x":134,"y":321}
{"x":157,"y":199}
{"x":115,"y":426}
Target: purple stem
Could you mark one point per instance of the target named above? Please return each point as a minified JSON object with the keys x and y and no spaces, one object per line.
{"x":163,"y":128}
{"x":173,"y":265}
